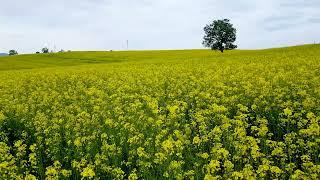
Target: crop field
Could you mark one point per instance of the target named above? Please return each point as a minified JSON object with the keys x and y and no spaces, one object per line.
{"x":189,"y":114}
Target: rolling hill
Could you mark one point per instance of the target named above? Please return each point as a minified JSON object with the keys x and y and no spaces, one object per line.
{"x":34,"y":61}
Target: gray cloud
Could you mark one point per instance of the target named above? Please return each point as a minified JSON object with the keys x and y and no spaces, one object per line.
{"x":300,"y":3}
{"x":149,"y":24}
{"x":315,"y":20}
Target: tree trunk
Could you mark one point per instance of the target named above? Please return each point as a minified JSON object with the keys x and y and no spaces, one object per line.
{"x":221,"y":48}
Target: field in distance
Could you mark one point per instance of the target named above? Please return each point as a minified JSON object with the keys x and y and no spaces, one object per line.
{"x":183,"y":114}
{"x":39,"y":61}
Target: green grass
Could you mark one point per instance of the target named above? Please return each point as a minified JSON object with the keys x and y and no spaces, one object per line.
{"x":36,"y":61}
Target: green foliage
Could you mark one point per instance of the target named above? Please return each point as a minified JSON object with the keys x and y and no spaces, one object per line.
{"x":220,"y":35}
{"x":45,"y":50}
{"x":13,"y":52}
{"x":162,"y":115}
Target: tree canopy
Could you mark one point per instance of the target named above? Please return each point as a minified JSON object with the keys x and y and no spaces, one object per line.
{"x":220,"y":35}
{"x":45,"y":50}
{"x":13,"y":52}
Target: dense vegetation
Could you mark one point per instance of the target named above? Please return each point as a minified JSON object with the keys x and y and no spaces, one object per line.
{"x":161,"y":114}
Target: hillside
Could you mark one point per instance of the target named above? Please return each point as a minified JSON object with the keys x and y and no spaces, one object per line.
{"x":188,"y":114}
{"x":35,"y":61}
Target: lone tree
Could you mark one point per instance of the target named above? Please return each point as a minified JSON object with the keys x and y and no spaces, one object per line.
{"x":13,"y":52}
{"x":45,"y":50}
{"x":220,"y":35}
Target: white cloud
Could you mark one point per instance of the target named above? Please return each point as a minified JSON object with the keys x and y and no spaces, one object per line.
{"x":147,"y":24}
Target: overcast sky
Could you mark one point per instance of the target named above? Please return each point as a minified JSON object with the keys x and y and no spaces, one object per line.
{"x":28,"y":25}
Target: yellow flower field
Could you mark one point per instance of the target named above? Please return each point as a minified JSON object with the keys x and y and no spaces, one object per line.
{"x":191,"y":114}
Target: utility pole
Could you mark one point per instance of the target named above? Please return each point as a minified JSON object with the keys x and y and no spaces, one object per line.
{"x":127,"y":44}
